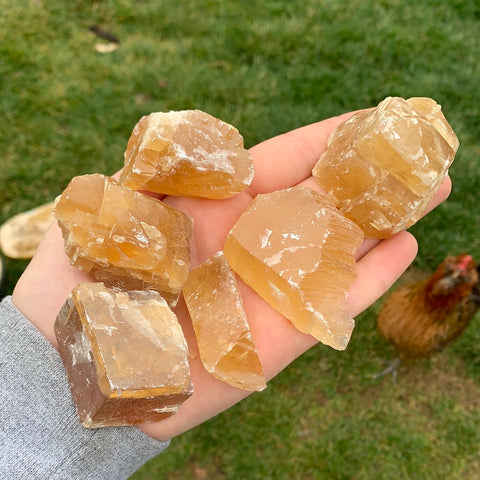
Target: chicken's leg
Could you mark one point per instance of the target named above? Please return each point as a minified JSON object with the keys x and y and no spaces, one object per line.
{"x":392,"y":368}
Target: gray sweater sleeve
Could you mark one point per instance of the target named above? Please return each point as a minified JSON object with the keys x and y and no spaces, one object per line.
{"x":40,"y":435}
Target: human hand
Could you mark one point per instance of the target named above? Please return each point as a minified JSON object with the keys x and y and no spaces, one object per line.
{"x":281,"y":162}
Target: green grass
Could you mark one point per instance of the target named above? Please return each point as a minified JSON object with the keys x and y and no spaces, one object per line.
{"x":266,"y":67}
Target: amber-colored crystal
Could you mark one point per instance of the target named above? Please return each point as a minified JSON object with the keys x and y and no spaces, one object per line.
{"x":383,"y":166}
{"x":225,"y":342}
{"x":186,"y":153}
{"x":125,"y":355}
{"x":296,"y":250}
{"x":123,"y":237}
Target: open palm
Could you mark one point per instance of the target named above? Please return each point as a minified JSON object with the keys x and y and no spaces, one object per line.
{"x":281,"y":162}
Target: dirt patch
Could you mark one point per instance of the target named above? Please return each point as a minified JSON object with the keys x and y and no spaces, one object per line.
{"x":446,"y":375}
{"x":440,"y":375}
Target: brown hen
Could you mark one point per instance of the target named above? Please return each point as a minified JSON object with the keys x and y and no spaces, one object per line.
{"x":422,"y":318}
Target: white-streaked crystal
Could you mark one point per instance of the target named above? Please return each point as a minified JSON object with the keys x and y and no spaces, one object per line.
{"x":124,"y":238}
{"x":383,"y":166}
{"x":296,"y":250}
{"x":188,"y":153}
{"x":125,"y":355}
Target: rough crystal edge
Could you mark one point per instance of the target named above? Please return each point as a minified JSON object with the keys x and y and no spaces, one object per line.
{"x":325,"y":336}
{"x":260,"y":383}
{"x":21,"y":234}
{"x":106,"y":411}
{"x":423,"y":107}
{"x":109,"y":273}
{"x":236,"y":257}
{"x":132,"y":178}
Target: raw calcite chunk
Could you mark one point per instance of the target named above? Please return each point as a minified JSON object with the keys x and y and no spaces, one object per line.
{"x":125,"y":355}
{"x":225,"y":342}
{"x":21,"y":234}
{"x":296,"y":250}
{"x":186,"y":153}
{"x":383,"y":166}
{"x":123,"y":237}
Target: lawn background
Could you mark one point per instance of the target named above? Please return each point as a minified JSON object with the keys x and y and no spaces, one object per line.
{"x":266,"y":67}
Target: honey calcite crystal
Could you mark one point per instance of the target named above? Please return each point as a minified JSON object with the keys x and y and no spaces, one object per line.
{"x":226,"y":345}
{"x":124,"y":238}
{"x":296,"y":250}
{"x":187,"y":153}
{"x":21,"y":234}
{"x":125,"y":355}
{"x":383,"y":166}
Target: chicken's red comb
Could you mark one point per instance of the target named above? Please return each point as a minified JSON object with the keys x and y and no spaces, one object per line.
{"x":464,"y":261}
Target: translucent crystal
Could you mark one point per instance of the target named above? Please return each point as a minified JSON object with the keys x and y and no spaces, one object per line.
{"x":123,"y":237}
{"x":226,"y":346}
{"x":186,"y":153}
{"x":21,"y":234}
{"x":125,"y":355}
{"x":296,"y":250}
{"x":383,"y":166}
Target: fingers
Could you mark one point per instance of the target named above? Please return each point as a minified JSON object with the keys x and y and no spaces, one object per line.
{"x":379,"y":269}
{"x":279,"y":342}
{"x":213,"y":219}
{"x":287,"y":159}
{"x":440,"y":195}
